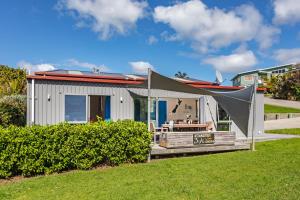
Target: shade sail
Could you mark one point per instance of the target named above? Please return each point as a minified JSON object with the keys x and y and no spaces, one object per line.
{"x":142,"y":92}
{"x":236,"y":103}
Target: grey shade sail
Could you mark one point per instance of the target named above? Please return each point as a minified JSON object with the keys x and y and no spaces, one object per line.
{"x":164,"y":83}
{"x":236,"y":103}
{"x":157,"y":93}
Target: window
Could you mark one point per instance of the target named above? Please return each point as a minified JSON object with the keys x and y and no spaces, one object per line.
{"x":141,"y":109}
{"x":75,"y":108}
{"x":224,"y":122}
{"x":248,"y":78}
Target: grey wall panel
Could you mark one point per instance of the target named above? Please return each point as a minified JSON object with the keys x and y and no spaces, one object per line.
{"x":52,"y":112}
{"x":260,"y":113}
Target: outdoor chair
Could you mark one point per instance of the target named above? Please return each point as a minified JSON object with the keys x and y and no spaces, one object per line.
{"x":156,"y":131}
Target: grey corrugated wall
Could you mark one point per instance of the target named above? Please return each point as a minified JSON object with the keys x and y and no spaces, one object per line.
{"x":52,"y":112}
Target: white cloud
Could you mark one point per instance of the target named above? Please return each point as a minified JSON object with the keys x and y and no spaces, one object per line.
{"x":105,"y":17}
{"x":75,"y":63}
{"x":140,"y":67}
{"x":35,"y":67}
{"x":287,"y":56}
{"x":286,"y":11}
{"x":233,"y":63}
{"x":152,"y":40}
{"x":213,"y":28}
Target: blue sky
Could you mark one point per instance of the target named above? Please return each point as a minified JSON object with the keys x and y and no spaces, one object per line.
{"x":128,"y":36}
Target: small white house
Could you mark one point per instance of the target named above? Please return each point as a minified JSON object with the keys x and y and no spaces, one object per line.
{"x":79,"y":97}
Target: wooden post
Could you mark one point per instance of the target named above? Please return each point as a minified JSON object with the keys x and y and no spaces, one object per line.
{"x":149,"y":98}
{"x":149,"y":107}
{"x":156,"y":111}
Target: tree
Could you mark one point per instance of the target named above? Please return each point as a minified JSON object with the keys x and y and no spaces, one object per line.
{"x":12,"y":81}
{"x":12,"y":96}
{"x":180,"y":74}
{"x":286,"y":86}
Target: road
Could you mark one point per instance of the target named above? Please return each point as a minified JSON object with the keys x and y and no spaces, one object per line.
{"x":280,"y":102}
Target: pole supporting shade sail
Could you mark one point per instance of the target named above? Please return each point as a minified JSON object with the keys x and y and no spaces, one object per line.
{"x":236,"y":103}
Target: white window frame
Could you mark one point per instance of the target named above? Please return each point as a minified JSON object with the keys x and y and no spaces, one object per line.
{"x":86,"y":107}
{"x":223,"y":121}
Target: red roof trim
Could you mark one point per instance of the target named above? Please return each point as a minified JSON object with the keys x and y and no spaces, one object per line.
{"x":197,"y":82}
{"x":223,"y":87}
{"x":89,"y":80}
{"x":217,"y":87}
{"x":114,"y":78}
{"x":86,"y":76}
{"x":110,"y":80}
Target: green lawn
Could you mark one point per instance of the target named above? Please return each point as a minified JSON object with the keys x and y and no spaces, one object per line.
{"x":294,"y":131}
{"x":272,"y":172}
{"x":279,"y":109}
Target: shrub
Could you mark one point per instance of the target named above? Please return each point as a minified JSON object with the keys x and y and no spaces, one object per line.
{"x":286,"y":86}
{"x":13,"y":110}
{"x":37,"y":150}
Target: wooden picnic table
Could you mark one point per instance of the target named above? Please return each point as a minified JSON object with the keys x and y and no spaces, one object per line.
{"x":186,"y":127}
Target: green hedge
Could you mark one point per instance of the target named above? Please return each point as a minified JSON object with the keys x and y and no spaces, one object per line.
{"x":37,"y":150}
{"x":13,"y":110}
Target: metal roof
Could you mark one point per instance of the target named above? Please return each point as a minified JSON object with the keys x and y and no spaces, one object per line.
{"x":263,"y":70}
{"x":115,"y":78}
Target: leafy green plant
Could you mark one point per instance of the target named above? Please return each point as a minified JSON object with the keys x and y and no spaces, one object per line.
{"x":286,"y":86}
{"x":12,"y":81}
{"x":36,"y":150}
{"x":13,"y":110}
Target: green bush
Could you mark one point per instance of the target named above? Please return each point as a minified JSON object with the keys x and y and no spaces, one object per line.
{"x":285,"y":86}
{"x":13,"y":110}
{"x":37,"y":150}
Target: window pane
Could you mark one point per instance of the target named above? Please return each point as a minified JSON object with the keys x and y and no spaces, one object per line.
{"x":75,"y":108}
{"x":140,"y":109}
{"x":222,"y":114}
{"x":153,"y":110}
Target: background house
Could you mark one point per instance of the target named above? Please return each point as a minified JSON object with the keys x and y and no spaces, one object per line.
{"x":247,"y":78}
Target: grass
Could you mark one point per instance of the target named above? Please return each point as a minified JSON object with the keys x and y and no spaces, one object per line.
{"x":271,"y":172}
{"x":279,"y":109}
{"x":293,"y":131}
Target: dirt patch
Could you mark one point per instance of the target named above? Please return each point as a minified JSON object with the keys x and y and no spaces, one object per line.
{"x":16,"y":179}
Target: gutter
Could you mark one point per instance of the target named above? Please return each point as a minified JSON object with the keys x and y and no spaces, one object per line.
{"x":32,"y":102}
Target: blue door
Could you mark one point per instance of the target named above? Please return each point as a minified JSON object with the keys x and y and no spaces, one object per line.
{"x":162,"y":112}
{"x":107,"y":108}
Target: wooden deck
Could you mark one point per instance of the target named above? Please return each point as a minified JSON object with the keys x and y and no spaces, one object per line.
{"x":183,"y":143}
{"x":161,"y":151}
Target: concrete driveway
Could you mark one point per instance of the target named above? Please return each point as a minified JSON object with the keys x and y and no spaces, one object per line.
{"x":282,"y":123}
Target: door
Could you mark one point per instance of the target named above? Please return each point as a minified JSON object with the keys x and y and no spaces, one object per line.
{"x":162,"y":112}
{"x":107,"y":108}
{"x":99,"y":106}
